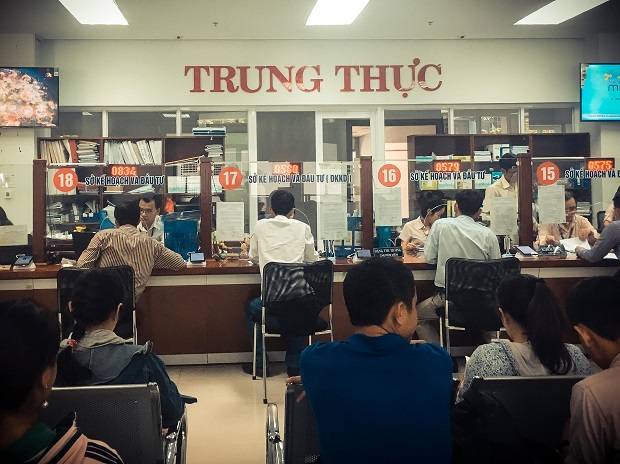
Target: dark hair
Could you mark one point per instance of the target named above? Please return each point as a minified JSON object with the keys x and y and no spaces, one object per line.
{"x":28,"y":345}
{"x":372,"y":287}
{"x":568,"y":195}
{"x":429,"y":204}
{"x":533,"y":306}
{"x":4,"y":220}
{"x":127,"y":213}
{"x":594,"y":303}
{"x":282,"y":202}
{"x":616,"y":199}
{"x":469,"y":201}
{"x":96,"y":295}
{"x":507,"y":161}
{"x":158,"y":198}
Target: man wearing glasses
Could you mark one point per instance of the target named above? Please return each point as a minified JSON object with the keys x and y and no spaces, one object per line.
{"x":575,"y":226}
{"x":150,"y":222}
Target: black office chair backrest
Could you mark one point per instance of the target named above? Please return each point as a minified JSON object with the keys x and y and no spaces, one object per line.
{"x":538,"y":406}
{"x":126,"y":417}
{"x":600,"y":219}
{"x":301,"y":442}
{"x":65,"y":281}
{"x":296,"y":294}
{"x":81,"y":240}
{"x":471,"y":289}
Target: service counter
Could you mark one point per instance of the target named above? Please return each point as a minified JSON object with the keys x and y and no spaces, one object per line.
{"x":196,"y":315}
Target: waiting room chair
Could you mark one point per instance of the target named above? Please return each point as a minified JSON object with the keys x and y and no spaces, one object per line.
{"x":293,"y":295}
{"x":600,"y":220}
{"x":126,"y":417}
{"x":127,"y":324}
{"x":471,"y":295}
{"x":301,"y":442}
{"x":538,"y":406}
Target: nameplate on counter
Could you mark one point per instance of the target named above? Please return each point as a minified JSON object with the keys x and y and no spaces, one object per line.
{"x":388,"y":252}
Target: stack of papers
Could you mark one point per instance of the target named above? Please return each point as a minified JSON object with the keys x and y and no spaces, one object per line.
{"x":571,"y":243}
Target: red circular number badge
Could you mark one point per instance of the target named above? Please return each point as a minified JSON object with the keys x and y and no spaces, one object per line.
{"x":65,"y":179}
{"x":230,"y":178}
{"x":389,"y":175}
{"x":547,"y":173}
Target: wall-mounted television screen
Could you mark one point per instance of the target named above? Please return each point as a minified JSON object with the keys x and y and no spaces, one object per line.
{"x":28,"y":97}
{"x":600,"y":92}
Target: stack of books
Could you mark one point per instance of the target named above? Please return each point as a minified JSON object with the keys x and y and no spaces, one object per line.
{"x":129,"y":152}
{"x":87,"y":152}
{"x":210,"y":131}
{"x":214,"y":151}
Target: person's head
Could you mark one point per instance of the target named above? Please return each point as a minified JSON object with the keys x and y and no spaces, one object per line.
{"x":432,"y":208}
{"x":616,"y":202}
{"x":96,"y":298}
{"x":593,"y":308}
{"x":148,"y":211}
{"x":469,"y":202}
{"x":158,"y":198}
{"x":508,"y":166}
{"x":381,"y":292}
{"x":28,"y":346}
{"x":282,"y":203}
{"x":4,"y":220}
{"x":526,"y":301}
{"x":570,"y":206}
{"x":127,"y":213}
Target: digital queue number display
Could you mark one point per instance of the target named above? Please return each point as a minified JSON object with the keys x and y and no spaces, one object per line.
{"x":286,"y":168}
{"x":600,"y":164}
{"x":120,"y":170}
{"x":447,"y":166}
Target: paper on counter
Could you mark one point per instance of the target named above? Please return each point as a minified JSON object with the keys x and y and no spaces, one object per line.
{"x":571,"y":243}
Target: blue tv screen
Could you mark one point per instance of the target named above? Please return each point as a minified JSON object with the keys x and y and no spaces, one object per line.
{"x":600,"y":92}
{"x":28,"y":97}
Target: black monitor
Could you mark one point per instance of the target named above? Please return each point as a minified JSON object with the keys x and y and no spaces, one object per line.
{"x":8,"y":254}
{"x":81,"y":241}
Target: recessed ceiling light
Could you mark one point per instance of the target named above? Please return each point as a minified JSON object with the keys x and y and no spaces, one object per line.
{"x":95,"y":11}
{"x":335,"y":12}
{"x":559,"y":11}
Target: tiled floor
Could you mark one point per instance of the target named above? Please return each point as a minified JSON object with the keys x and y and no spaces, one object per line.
{"x":227,"y":425}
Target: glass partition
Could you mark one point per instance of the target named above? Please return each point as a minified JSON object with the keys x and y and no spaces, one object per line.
{"x":326,"y":198}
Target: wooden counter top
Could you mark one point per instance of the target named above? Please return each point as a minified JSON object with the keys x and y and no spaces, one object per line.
{"x":228,"y":267}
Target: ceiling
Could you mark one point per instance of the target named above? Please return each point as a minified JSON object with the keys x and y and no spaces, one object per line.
{"x":285,"y":19}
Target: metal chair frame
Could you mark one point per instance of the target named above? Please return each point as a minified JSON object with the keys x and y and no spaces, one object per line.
{"x":266,"y":275}
{"x":444,"y":327}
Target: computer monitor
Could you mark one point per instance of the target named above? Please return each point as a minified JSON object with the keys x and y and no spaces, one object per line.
{"x":8,"y":254}
{"x":81,"y":241}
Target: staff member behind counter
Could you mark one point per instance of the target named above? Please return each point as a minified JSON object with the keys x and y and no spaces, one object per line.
{"x":505,"y":187}
{"x":575,"y":226}
{"x":609,"y":239}
{"x":414,"y":232}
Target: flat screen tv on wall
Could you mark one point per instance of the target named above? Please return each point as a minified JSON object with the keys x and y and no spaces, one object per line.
{"x":600,"y":92}
{"x":28,"y":97}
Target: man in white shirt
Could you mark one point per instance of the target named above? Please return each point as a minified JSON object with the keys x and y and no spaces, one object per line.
{"x":280,"y":239}
{"x":459,"y":237}
{"x":505,"y":187}
{"x":150,"y":221}
{"x":593,"y":309}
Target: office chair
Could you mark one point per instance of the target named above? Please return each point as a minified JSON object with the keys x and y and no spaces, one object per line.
{"x":127,"y":324}
{"x":471,"y":295}
{"x":126,"y":417}
{"x":292,"y":296}
{"x":538,"y":406}
{"x":301,"y":442}
{"x":600,"y":219}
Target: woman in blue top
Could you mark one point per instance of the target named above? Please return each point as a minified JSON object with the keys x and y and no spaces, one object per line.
{"x":95,"y":355}
{"x":535,"y":323}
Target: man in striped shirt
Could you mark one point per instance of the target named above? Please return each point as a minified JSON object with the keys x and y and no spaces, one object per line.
{"x":126,"y":246}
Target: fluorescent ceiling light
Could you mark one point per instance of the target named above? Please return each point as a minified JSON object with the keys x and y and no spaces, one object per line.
{"x":559,"y":11}
{"x":335,"y":12}
{"x":95,"y":11}
{"x":174,"y":115}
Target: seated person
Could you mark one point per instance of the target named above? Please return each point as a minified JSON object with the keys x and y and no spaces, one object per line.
{"x":575,"y":226}
{"x":4,"y":220}
{"x":28,"y":347}
{"x":95,"y":355}
{"x":414,"y":232}
{"x":593,"y":307}
{"x":378,"y":397}
{"x":611,"y":213}
{"x":608,"y":240}
{"x":535,"y":323}
{"x":150,"y":220}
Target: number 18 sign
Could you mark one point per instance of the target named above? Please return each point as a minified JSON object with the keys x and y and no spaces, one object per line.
{"x":65,"y":180}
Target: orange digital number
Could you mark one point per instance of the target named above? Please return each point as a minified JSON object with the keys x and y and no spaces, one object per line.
{"x":603,"y":164}
{"x":447,"y":166}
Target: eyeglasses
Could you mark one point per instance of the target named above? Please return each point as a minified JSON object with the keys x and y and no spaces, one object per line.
{"x":146,"y":211}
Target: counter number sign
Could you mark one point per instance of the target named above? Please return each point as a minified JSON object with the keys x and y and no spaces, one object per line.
{"x":230,"y":178}
{"x":389,"y":175}
{"x":547,"y":173}
{"x":65,"y":179}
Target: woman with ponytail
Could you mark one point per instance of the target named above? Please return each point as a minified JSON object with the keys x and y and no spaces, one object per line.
{"x":95,"y":355}
{"x":535,"y":323}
